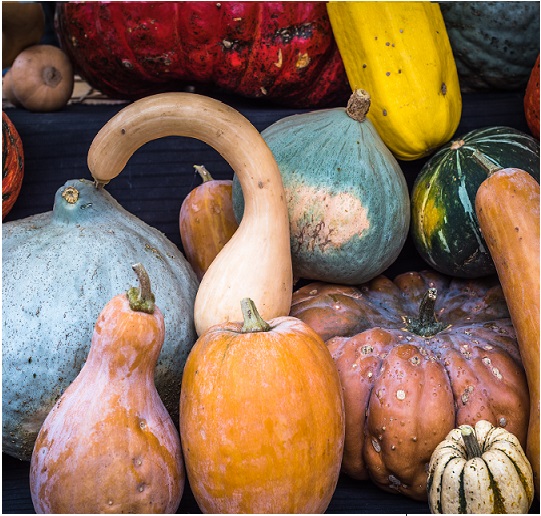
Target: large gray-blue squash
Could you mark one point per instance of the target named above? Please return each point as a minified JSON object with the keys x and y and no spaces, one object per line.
{"x":59,"y":269}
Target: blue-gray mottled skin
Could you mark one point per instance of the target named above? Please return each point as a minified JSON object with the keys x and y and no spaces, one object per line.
{"x":59,"y":269}
{"x":347,"y":197}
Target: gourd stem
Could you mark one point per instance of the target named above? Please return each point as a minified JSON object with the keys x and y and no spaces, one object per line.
{"x":358,"y":105}
{"x":489,"y":166}
{"x":253,"y":322}
{"x":141,"y":299}
{"x":426,"y":324}
{"x":203,"y":172}
{"x":470,"y":442}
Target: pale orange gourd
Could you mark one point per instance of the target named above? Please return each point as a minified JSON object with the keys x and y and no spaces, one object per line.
{"x":261,"y":417}
{"x":206,"y":220}
{"x":507,"y":207}
{"x":109,"y":445}
{"x":262,"y":237}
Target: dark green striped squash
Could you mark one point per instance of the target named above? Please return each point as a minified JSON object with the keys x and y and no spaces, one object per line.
{"x":444,"y":225}
{"x":347,"y":198}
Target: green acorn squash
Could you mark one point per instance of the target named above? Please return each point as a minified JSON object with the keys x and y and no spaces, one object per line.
{"x":59,"y":269}
{"x":444,"y":225}
{"x":347,"y":197}
{"x":495,"y":44}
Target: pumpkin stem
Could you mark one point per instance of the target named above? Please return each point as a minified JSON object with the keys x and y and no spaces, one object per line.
{"x":141,"y":299}
{"x":489,"y":166}
{"x":358,"y":105}
{"x":470,"y":442}
{"x":253,"y":322}
{"x":426,"y":324}
{"x":203,"y":172}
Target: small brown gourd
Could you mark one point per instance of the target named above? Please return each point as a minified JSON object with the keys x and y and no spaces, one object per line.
{"x":507,"y":207}
{"x":256,"y":262}
{"x":206,"y":220}
{"x":40,"y":79}
{"x":108,"y":444}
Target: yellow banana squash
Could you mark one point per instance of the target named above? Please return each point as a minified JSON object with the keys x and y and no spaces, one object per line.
{"x":400,"y":53}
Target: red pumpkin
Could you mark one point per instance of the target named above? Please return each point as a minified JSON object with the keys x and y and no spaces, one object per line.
{"x":531,"y":101}
{"x":12,"y":164}
{"x":282,"y":51}
{"x":413,"y":365}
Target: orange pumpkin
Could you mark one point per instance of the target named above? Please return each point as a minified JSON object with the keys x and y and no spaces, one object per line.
{"x":12,"y":164}
{"x":418,"y":356}
{"x":108,"y":444}
{"x":261,"y":417}
{"x":206,"y":220}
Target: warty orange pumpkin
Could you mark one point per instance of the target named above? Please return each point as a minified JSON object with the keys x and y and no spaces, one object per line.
{"x":419,"y":355}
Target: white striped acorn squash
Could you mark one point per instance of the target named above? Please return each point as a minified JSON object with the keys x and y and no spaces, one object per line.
{"x":444,"y":225}
{"x":481,"y":470}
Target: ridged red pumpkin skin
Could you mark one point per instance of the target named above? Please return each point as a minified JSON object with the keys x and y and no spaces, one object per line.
{"x":12,"y":164}
{"x":531,"y":101}
{"x":282,"y":51}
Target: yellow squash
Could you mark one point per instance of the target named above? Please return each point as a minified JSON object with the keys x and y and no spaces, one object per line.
{"x":400,"y":53}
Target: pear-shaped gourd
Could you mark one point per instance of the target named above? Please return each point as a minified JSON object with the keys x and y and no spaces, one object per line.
{"x":347,"y":197}
{"x":59,"y":269}
{"x":108,"y":444}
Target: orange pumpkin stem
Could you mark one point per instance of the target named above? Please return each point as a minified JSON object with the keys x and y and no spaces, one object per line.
{"x":141,"y":299}
{"x":488,"y":165}
{"x":253,"y":322}
{"x":470,"y":442}
{"x":203,"y":172}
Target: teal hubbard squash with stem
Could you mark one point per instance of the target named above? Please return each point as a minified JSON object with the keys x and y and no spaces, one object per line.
{"x":347,"y":197}
{"x":444,"y":225}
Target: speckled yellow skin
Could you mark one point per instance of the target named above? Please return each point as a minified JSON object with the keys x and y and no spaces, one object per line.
{"x":400,"y":53}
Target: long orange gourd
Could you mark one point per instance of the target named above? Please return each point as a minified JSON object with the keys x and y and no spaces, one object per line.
{"x":507,"y":206}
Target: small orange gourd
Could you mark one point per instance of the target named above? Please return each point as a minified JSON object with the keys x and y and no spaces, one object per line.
{"x":507,"y":207}
{"x":206,"y":220}
{"x":108,"y":444}
{"x":261,"y":417}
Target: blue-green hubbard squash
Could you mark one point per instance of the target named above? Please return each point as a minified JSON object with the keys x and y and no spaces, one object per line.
{"x":347,"y":197}
{"x":59,"y":269}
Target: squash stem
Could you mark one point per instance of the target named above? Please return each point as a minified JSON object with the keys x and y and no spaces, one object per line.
{"x":203,"y":172}
{"x":253,"y":322}
{"x":141,"y":299}
{"x":490,"y":167}
{"x":470,"y":442}
{"x":426,"y":324}
{"x":358,"y":105}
